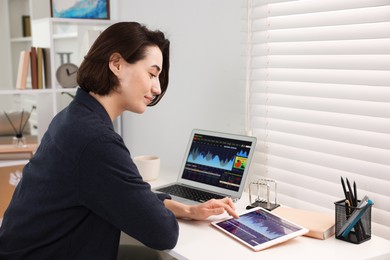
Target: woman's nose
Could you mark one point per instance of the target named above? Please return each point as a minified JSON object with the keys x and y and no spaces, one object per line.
{"x":156,"y":88}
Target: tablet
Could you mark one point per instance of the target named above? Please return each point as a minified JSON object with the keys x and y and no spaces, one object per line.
{"x":259,"y":229}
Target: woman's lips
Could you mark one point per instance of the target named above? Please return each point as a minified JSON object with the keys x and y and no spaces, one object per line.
{"x":148,"y":99}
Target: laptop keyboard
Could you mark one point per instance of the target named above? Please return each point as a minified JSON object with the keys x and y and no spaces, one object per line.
{"x":189,"y":193}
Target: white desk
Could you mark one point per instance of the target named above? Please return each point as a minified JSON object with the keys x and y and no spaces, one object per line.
{"x":198,"y":240}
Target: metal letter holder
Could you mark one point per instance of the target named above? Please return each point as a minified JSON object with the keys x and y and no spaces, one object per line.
{"x":258,"y":186}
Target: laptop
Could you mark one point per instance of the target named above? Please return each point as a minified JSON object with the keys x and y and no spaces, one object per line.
{"x":215,"y":165}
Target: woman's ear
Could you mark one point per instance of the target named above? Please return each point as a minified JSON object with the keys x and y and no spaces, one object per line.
{"x":115,"y":63}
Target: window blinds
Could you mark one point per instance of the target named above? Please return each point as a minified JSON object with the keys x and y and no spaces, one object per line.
{"x":318,"y":99}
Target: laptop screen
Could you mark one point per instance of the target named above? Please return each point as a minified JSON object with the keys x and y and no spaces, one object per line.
{"x":217,"y":161}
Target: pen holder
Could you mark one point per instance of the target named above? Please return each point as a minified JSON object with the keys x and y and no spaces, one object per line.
{"x":361,"y":231}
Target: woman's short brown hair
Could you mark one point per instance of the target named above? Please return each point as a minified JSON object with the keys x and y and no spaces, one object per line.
{"x":130,"y":40}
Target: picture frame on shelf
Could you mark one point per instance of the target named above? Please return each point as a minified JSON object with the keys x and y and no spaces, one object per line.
{"x":81,"y":9}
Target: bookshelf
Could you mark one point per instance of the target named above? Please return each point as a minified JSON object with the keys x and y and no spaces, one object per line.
{"x":60,"y":36}
{"x":13,"y":42}
{"x":35,"y":9}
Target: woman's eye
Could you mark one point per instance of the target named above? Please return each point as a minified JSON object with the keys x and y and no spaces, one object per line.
{"x":152,"y":75}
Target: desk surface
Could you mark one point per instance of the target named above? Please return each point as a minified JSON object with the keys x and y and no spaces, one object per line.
{"x":199,"y":240}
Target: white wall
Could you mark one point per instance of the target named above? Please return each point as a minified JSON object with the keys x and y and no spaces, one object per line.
{"x":205,"y":90}
{"x":6,"y":103}
{"x":5,"y":54}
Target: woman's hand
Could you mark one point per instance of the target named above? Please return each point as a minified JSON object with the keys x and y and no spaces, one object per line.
{"x":202,"y":211}
{"x":213,"y":207}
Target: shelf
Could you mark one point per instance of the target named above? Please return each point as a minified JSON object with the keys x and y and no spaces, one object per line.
{"x":69,"y":21}
{"x":36,"y":91}
{"x":25,"y":91}
{"x":61,"y":36}
{"x":70,"y":90}
{"x":22,"y":39}
{"x":57,"y":35}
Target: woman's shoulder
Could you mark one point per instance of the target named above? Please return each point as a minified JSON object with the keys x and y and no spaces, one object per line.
{"x":79,"y":126}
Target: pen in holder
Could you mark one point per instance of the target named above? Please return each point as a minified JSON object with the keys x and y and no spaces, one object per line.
{"x":265,"y":185}
{"x":353,"y":224}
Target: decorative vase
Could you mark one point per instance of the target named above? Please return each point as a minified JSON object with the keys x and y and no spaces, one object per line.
{"x":19,"y":141}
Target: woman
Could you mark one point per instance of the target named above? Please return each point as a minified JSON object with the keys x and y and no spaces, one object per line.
{"x":81,"y":188}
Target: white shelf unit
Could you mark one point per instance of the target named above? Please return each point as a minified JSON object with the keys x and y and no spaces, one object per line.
{"x":36,"y":9}
{"x":66,"y":36}
{"x":13,"y":42}
{"x":59,"y":35}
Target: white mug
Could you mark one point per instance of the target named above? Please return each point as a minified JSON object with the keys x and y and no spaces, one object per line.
{"x":148,"y":166}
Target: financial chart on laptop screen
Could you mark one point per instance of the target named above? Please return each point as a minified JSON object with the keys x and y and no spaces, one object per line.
{"x":217,"y":161}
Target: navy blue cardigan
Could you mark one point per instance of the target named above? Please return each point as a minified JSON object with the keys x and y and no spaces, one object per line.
{"x":79,"y":191}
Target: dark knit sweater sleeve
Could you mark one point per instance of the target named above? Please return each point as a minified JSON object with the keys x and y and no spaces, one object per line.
{"x":163,"y":196}
{"x":110,"y":185}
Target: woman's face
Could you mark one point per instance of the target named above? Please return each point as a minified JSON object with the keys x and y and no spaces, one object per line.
{"x":139,"y":82}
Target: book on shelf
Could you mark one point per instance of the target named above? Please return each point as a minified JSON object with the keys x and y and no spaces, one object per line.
{"x":43,"y":68}
{"x":26,"y":25}
{"x":23,"y":68}
{"x":40,"y":67}
{"x":46,"y":68}
{"x":34,"y":68}
{"x":11,"y":152}
{"x":321,"y":225}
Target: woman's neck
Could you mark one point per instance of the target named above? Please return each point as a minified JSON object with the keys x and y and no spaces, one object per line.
{"x":110,"y":104}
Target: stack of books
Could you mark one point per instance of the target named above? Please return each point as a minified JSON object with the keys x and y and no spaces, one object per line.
{"x":11,"y":152}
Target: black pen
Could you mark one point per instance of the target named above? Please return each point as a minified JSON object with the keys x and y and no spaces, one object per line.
{"x":352,"y":197}
{"x":344,"y":189}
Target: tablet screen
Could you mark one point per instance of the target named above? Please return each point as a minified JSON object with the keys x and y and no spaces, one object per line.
{"x":260,"y":229}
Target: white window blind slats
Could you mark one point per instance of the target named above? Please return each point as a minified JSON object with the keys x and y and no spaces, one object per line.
{"x":287,"y":194}
{"x":330,"y":163}
{"x":336,"y":91}
{"x":324,"y":33}
{"x":326,"y":193}
{"x":339,"y":62}
{"x":364,"y":108}
{"x":311,"y":198}
{"x":291,"y":174}
{"x":382,"y":218}
{"x":317,"y":78}
{"x":291,"y":7}
{"x":333,"y":18}
{"x":350,"y":77}
{"x":364,"y":156}
{"x":322,"y":176}
{"x":358,"y":122}
{"x":327,"y":132}
{"x":350,"y":47}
